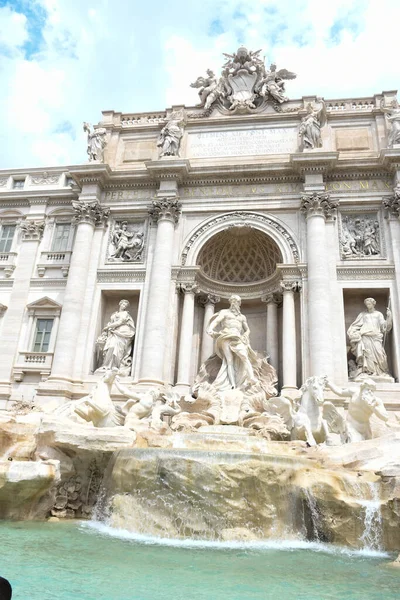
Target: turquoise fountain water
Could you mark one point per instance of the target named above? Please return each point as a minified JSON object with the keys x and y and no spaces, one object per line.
{"x":48,"y":561}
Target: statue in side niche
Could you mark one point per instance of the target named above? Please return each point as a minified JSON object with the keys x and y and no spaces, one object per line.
{"x":169,"y":140}
{"x":96,"y":142}
{"x":115,"y":342}
{"x":366,"y":336}
{"x":363,"y":403}
{"x":392,"y":114}
{"x":311,"y":124}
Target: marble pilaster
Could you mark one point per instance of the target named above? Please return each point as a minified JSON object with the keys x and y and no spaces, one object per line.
{"x":272,"y":343}
{"x":88,"y":213}
{"x":317,"y":206}
{"x":207,"y":342}
{"x":31,"y":234}
{"x":186,"y":336}
{"x":289,"y":348}
{"x":165,"y":211}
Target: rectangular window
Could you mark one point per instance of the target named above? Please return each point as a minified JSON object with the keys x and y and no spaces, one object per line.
{"x":42,"y":335}
{"x":61,"y":237}
{"x":6,"y":237}
{"x":18,"y":184}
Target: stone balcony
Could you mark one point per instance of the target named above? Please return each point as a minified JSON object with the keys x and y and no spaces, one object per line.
{"x":54,"y":260}
{"x":33,"y":362}
{"x":7,"y":262}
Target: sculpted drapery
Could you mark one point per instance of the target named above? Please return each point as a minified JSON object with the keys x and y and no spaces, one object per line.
{"x":366,"y":340}
{"x":117,"y":337}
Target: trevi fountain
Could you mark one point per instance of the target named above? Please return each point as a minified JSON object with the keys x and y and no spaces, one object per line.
{"x":199,"y":378}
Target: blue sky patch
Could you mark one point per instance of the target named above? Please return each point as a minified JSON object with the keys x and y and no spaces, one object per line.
{"x":36,"y":19}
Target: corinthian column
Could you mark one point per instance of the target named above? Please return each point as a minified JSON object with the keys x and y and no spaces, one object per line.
{"x":87,"y":215}
{"x":272,"y":343}
{"x":166,"y":213}
{"x":317,"y":206}
{"x":186,"y":338}
{"x":31,"y":234}
{"x":207,"y":342}
{"x":289,"y":352}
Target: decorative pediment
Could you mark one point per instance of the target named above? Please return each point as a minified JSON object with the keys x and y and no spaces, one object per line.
{"x":44,"y":305}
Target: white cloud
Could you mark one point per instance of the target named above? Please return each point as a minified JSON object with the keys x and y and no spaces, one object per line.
{"x":86,"y":57}
{"x":13,"y":32}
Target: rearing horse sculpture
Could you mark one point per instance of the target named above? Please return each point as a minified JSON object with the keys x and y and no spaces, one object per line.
{"x":308,"y":423}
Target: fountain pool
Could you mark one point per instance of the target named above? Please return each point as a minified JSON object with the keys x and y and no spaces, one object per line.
{"x":89,"y":561}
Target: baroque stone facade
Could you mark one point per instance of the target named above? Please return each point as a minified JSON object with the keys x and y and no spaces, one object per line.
{"x":290,"y":204}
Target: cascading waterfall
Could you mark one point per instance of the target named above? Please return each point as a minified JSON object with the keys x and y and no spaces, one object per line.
{"x":372,"y":536}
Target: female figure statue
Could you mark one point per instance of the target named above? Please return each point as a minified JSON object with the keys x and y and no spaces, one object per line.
{"x":115,"y":342}
{"x":310,"y":126}
{"x":96,"y":142}
{"x":392,"y":114}
{"x":170,"y":136}
{"x":366,"y":340}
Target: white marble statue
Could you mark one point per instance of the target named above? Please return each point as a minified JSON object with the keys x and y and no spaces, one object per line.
{"x":363,"y":403}
{"x":171,"y":134}
{"x":366,"y":336}
{"x":231,"y":332}
{"x":207,"y":85}
{"x":97,"y":407}
{"x":311,"y":124}
{"x":128,"y":245}
{"x":273,"y":83}
{"x":115,"y":342}
{"x":308,"y":421}
{"x":138,"y":408}
{"x":96,"y":142}
{"x":392,"y":115}
{"x":168,"y":405}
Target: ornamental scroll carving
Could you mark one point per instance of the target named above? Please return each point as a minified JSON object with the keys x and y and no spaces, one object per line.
{"x":90,"y":212}
{"x":246,"y":219}
{"x":32,"y":230}
{"x":392,"y":204}
{"x":165,"y":208}
{"x":318,"y":203}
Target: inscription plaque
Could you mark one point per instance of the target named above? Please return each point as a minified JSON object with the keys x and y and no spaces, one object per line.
{"x":242,"y":142}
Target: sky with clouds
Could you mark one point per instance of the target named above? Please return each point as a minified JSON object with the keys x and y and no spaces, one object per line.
{"x":64,"y":61}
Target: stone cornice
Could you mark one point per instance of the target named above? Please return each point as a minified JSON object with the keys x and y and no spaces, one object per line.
{"x":91,"y":173}
{"x":390,"y":158}
{"x":169,"y":167}
{"x":121,"y":275}
{"x":386,"y":272}
{"x":316,"y":161}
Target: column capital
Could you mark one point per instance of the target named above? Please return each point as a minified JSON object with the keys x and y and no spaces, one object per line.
{"x":392,"y":203}
{"x":165,"y":208}
{"x":209,"y":299}
{"x":274,"y":298}
{"x":32,"y":230}
{"x":290,"y":285}
{"x":188,"y":288}
{"x":318,"y":204}
{"x":90,"y":212}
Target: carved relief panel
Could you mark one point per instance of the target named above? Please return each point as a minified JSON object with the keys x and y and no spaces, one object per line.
{"x":360,"y":235}
{"x":126,"y":242}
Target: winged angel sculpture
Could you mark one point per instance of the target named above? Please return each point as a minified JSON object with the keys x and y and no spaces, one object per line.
{"x":245,"y":83}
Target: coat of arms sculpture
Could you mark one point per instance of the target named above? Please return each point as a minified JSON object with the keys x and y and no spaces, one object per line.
{"x":245,"y":84}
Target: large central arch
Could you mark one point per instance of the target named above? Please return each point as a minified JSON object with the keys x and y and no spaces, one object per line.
{"x":270,"y":226}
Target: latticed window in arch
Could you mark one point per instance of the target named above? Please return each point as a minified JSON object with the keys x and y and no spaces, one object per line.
{"x":239,"y":255}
